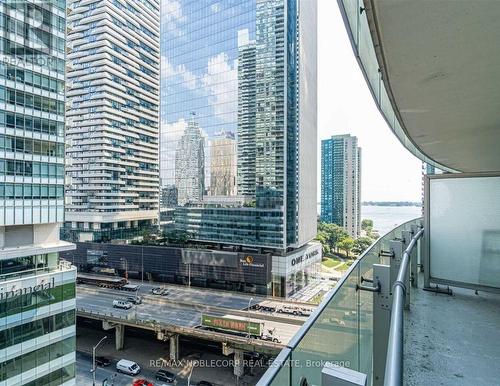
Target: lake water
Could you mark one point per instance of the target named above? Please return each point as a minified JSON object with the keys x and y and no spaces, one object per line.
{"x":386,"y":218}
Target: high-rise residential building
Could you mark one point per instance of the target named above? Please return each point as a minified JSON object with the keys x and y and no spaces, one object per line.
{"x":341,"y":182}
{"x":37,"y":291}
{"x":223,"y":164}
{"x":190,"y":165}
{"x":246,"y":114}
{"x":112,"y":118}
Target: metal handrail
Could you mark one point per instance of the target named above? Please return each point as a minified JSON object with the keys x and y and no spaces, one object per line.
{"x":394,"y":359}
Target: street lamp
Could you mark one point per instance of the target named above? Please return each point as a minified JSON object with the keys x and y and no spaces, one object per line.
{"x":93,"y":360}
{"x":248,"y":309}
{"x":190,"y":373}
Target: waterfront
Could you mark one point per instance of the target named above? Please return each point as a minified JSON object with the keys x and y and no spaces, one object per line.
{"x":386,"y":218}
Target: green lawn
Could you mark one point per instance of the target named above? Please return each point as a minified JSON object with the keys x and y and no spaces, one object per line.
{"x":330,"y":263}
{"x":318,"y":298}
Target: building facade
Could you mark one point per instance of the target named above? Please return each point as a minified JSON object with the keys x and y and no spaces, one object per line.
{"x":223,"y":164}
{"x":247,"y":67}
{"x":246,"y":114}
{"x":261,"y":273}
{"x":37,"y":292}
{"x":341,"y":183}
{"x":190,"y":165}
{"x":112,"y":119}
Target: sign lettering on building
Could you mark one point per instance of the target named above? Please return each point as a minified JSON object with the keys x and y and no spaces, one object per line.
{"x":12,"y":292}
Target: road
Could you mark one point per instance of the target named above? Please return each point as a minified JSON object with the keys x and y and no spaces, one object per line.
{"x":184,"y":306}
{"x":151,"y":354}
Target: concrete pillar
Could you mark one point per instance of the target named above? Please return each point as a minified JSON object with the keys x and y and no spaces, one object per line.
{"x":115,"y":225}
{"x":238,"y":363}
{"x":119,"y":336}
{"x":135,"y":224}
{"x":86,"y":225}
{"x":174,"y":347}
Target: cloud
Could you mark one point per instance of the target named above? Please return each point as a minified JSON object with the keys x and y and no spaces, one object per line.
{"x":215,"y":7}
{"x":172,"y":16}
{"x":221,"y":84}
{"x":168,"y":70}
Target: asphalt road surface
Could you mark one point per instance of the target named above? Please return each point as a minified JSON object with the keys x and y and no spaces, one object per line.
{"x":159,"y":308}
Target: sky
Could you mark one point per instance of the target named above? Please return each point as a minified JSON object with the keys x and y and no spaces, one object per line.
{"x":345,"y":106}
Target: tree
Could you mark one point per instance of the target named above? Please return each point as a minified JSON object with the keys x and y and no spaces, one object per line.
{"x":333,"y":234}
{"x":346,"y":245}
{"x":361,"y":244}
{"x":366,"y":223}
{"x":322,"y":237}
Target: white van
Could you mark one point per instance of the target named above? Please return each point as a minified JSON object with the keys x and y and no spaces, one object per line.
{"x":127,"y":367}
{"x":122,"y":304}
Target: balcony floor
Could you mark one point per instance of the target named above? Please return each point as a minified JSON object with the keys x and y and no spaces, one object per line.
{"x":452,"y":340}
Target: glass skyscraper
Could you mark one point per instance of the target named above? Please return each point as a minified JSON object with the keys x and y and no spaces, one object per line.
{"x":245,"y":67}
{"x":341,"y":183}
{"x":37,"y":291}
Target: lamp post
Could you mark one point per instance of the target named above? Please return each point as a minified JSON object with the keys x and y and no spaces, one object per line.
{"x":190,"y":373}
{"x":248,"y":309}
{"x":93,"y":360}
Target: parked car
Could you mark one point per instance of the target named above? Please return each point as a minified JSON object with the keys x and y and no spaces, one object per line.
{"x":102,"y":361}
{"x":142,"y":382}
{"x":128,"y":367}
{"x":123,"y":304}
{"x":134,"y":299}
{"x":165,"y":376}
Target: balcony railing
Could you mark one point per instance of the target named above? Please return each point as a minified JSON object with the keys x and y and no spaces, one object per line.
{"x":353,"y":320}
{"x":62,"y":265}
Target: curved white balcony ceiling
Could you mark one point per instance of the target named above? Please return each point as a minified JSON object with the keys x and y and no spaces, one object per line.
{"x":441,"y":63}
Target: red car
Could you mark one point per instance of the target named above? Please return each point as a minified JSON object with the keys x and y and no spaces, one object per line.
{"x":142,"y":382}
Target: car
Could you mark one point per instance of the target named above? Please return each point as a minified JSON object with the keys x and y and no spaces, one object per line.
{"x":127,"y":367}
{"x":165,"y":376}
{"x":156,"y":291}
{"x":142,"y":382}
{"x":160,"y":291}
{"x":270,"y":338}
{"x":102,"y":361}
{"x":134,"y":299}
{"x":122,"y":304}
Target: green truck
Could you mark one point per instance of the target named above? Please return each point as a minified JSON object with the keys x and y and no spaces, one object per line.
{"x":243,"y":327}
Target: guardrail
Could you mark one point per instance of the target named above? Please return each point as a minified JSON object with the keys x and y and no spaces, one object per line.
{"x":62,"y":265}
{"x":394,"y":359}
